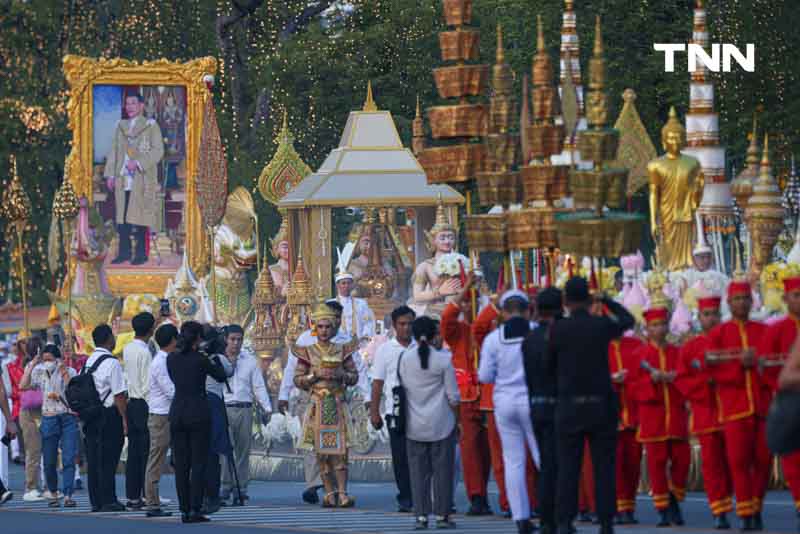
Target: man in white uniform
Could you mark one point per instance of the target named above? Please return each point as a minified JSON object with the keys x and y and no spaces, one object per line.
{"x":501,"y":364}
{"x":357,"y":318}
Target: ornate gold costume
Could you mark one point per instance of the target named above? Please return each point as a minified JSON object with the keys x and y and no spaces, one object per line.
{"x":676,"y":185}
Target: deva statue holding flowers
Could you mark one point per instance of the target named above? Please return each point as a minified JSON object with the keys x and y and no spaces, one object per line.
{"x":437,"y":280}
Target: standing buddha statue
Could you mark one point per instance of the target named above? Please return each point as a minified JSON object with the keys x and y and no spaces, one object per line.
{"x":676,"y":185}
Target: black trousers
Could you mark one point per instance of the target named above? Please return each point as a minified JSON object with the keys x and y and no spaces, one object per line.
{"x":547,"y":481}
{"x":598,"y":424}
{"x":190,"y":453}
{"x":402,"y":476}
{"x":138,"y":449}
{"x":104,"y":439}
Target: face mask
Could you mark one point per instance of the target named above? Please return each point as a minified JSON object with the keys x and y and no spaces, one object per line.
{"x":50,"y":366}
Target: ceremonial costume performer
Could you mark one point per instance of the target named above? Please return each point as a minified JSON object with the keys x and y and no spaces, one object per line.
{"x":623,"y":363}
{"x":325,"y":369}
{"x":775,"y":350}
{"x":310,"y":466}
{"x":662,"y":417}
{"x":676,"y":184}
{"x":501,"y":365}
{"x":474,"y":441}
{"x":131,"y":172}
{"x":485,"y":323}
{"x":699,"y":389}
{"x":743,"y":402}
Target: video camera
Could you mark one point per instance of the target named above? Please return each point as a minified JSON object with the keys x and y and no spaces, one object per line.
{"x":213,"y":341}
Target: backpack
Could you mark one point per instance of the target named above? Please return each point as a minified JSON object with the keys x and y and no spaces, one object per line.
{"x":82,"y":395}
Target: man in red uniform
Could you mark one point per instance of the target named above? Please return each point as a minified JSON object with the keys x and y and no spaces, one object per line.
{"x":474,"y":442}
{"x":484,"y":324}
{"x":777,"y":345}
{"x":696,"y":385}
{"x":623,"y":363}
{"x":743,"y":404}
{"x":662,"y":417}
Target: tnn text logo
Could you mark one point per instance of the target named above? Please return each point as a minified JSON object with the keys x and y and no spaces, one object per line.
{"x":696,"y":54}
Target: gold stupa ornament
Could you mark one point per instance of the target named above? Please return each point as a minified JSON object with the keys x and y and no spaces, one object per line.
{"x":742,"y":185}
{"x":418,"y":132}
{"x":458,"y":120}
{"x":764,"y":214}
{"x":636,"y":149}
{"x":17,"y":207}
{"x":285,"y":170}
{"x":591,"y":231}
{"x":299,"y":300}
{"x":267,"y":330}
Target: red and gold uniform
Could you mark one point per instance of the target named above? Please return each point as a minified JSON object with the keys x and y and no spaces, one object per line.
{"x":777,"y":345}
{"x":474,"y":440}
{"x":622,"y":357}
{"x":743,"y":406}
{"x":662,"y":419}
{"x":696,"y":385}
{"x":482,"y":327}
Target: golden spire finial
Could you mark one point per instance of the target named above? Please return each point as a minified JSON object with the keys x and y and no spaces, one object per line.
{"x":765,"y":155}
{"x":539,"y":34}
{"x":500,"y":56}
{"x":598,"y":37}
{"x":752,"y":148}
{"x":699,"y":4}
{"x":569,"y":5}
{"x":285,"y":125}
{"x":419,"y":113}
{"x":370,"y":104}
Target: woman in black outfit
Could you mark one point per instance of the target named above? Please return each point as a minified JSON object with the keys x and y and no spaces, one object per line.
{"x":190,"y":419}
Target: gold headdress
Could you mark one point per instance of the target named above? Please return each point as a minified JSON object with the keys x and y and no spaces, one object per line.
{"x":673,"y":125}
{"x":280,"y":237}
{"x":322,"y":312}
{"x":442,"y":224}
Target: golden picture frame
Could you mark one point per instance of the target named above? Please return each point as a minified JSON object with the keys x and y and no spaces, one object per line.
{"x":82,"y":75}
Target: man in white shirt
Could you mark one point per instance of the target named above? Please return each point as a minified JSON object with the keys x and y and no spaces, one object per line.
{"x":247,"y":383}
{"x":106,"y":434}
{"x":137,"y":358}
{"x":159,"y":400}
{"x":357,"y":318}
{"x":306,"y":339}
{"x":384,"y":379}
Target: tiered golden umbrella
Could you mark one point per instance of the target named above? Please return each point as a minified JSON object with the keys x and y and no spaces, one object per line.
{"x":65,"y":208}
{"x":17,"y":208}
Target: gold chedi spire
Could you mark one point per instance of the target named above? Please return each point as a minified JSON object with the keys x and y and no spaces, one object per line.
{"x":369,"y":104}
{"x":597,"y":102}
{"x":765,"y":170}
{"x":418,"y":131}
{"x":500,"y":54}
{"x":539,"y":35}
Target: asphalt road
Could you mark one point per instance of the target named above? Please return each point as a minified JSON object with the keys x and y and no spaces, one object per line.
{"x":276,"y":507}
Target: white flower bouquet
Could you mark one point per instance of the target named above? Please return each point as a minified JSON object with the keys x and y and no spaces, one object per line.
{"x":448,"y":265}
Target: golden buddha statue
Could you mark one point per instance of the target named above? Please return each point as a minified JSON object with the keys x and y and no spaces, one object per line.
{"x":676,"y":186}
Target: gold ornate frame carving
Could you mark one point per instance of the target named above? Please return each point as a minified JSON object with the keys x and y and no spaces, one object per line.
{"x":82,"y":73}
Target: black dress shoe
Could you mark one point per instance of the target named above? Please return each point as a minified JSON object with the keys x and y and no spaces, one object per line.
{"x":113,"y":507}
{"x":676,"y":517}
{"x":524,"y":527}
{"x":213,"y":505}
{"x":197,"y":517}
{"x":120,"y":259}
{"x":630,"y":519}
{"x":721,"y":522}
{"x":758,"y":522}
{"x":141,"y":260}
{"x":310,"y":496}
{"x":747,"y":524}
{"x":158,"y":512}
{"x":663,"y":519}
{"x":186,"y":518}
{"x":585,"y":517}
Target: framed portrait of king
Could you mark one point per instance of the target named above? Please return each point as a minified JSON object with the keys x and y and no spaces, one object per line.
{"x":136,"y":135}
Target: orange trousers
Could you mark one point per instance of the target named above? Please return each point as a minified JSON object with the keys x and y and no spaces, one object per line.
{"x":791,"y":474}
{"x":474,"y":443}
{"x":628,"y":467}
{"x":750,"y":463}
{"x":496,"y":452}
{"x":677,"y":454}
{"x":586,"y":501}
{"x":716,"y":475}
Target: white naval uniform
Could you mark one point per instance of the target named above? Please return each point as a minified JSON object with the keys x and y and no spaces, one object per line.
{"x":364,"y":318}
{"x":501,"y":365}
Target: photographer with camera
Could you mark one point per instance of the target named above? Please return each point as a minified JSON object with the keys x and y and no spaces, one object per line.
{"x":190,"y":418}
{"x":246,"y":384}
{"x":219,"y":443}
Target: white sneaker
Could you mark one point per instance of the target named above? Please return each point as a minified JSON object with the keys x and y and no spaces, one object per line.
{"x":32,"y":496}
{"x":164,"y":500}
